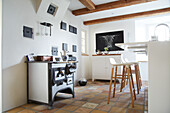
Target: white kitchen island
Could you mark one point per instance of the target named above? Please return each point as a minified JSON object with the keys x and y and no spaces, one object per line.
{"x":158,"y":74}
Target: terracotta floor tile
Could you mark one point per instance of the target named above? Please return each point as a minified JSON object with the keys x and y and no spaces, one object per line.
{"x":89,"y":105}
{"x":139,"y":102}
{"x":15,"y":110}
{"x":98,"y":111}
{"x":92,"y":98}
{"x":98,"y":101}
{"x":78,"y":97}
{"x":122,"y":104}
{"x":104,"y":107}
{"x":103,"y":94}
{"x":125,"y":95}
{"x":28,"y":105}
{"x":26,"y":111}
{"x":70,"y":107}
{"x":84,"y":99}
{"x":83,"y":110}
{"x":89,"y":96}
{"x":105,"y":103}
{"x":78,"y":103}
{"x":134,"y":111}
{"x":118,"y":110}
{"x":123,"y":99}
{"x":146,"y":108}
{"x":49,"y":111}
{"x":100,"y":97}
{"x":59,"y":105}
{"x":67,"y":101}
{"x":136,"y":106}
{"x":146,"y":102}
{"x":140,"y":98}
{"x":62,"y":111}
{"x":112,"y":99}
{"x":40,"y":107}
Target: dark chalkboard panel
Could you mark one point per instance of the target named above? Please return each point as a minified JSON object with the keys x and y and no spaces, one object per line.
{"x":109,"y":39}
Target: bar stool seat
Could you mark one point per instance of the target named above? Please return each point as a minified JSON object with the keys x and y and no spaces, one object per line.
{"x":123,"y":76}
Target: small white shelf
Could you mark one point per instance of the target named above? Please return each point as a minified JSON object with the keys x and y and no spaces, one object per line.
{"x":132,"y":44}
{"x":138,"y":47}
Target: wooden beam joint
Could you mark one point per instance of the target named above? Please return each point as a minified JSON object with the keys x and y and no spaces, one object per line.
{"x":88,"y":3}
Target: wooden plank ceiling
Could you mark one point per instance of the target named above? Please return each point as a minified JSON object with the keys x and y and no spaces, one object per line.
{"x":91,"y":8}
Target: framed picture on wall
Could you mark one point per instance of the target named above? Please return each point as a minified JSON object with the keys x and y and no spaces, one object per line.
{"x":64,"y":47}
{"x":72,"y":29}
{"x":63,"y":26}
{"x":74,"y":48}
{"x":28,"y":32}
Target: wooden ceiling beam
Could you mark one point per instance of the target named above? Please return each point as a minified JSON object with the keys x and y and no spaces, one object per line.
{"x":128,"y":16}
{"x":107,"y":6}
{"x":88,"y":3}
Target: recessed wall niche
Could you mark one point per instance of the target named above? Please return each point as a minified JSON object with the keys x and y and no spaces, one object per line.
{"x":63,"y":26}
{"x":52,"y":9}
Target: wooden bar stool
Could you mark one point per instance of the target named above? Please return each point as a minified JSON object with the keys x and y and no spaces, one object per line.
{"x":136,"y":71}
{"x":138,"y":76}
{"x":124,"y":76}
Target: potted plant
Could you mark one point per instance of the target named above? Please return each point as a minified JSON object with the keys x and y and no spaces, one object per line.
{"x":106,"y":50}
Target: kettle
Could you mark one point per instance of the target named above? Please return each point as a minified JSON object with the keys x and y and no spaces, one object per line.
{"x":64,"y":56}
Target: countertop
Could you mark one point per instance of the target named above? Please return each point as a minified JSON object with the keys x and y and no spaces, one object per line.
{"x":55,"y":62}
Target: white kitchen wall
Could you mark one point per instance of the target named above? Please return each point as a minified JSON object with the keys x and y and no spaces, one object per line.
{"x":0,"y":55}
{"x":129,"y":33}
{"x":85,"y":59}
{"x":144,"y":29}
{"x":16,"y":14}
{"x":127,"y":25}
{"x":85,"y":73}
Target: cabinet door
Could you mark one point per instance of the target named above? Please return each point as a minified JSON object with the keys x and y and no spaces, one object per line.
{"x":98,"y":67}
{"x":108,"y":69}
{"x":38,"y":82}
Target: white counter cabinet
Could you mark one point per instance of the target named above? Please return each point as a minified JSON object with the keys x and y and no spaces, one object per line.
{"x":101,"y":67}
{"x":159,"y":77}
{"x":158,"y":74}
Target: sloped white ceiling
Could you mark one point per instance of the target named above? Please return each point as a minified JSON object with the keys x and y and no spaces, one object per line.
{"x":62,"y":5}
{"x":75,"y":4}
